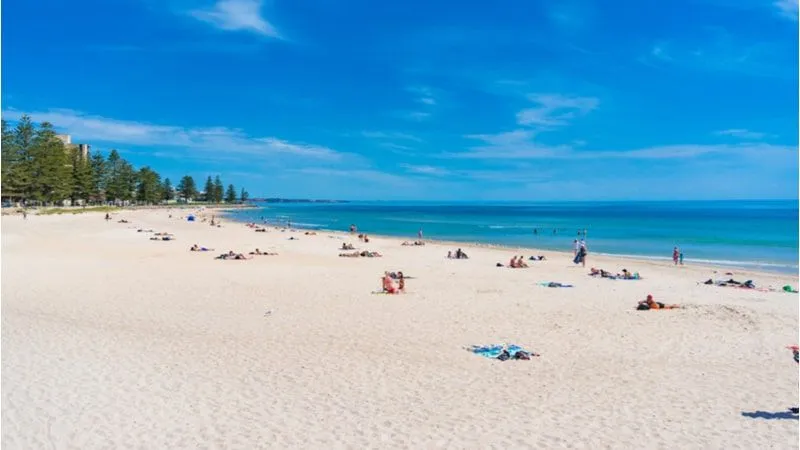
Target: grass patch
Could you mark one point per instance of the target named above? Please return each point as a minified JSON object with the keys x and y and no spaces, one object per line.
{"x":77,"y":210}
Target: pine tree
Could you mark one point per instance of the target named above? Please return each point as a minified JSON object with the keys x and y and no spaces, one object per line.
{"x":10,"y":163}
{"x":219,"y":190}
{"x":52,"y":171}
{"x":230,"y":194}
{"x":20,"y":178}
{"x":166,"y":190}
{"x":187,"y":189}
{"x":209,"y":188}
{"x":243,"y":196}
{"x":149,"y":189}
{"x":82,"y":179}
{"x":99,"y":171}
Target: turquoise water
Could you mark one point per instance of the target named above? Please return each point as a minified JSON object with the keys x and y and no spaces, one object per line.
{"x":755,"y":234}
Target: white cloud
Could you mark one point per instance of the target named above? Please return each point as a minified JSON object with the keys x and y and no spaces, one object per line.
{"x":418,"y":116}
{"x":425,"y":170}
{"x":237,"y":15}
{"x":91,"y":129}
{"x":787,"y":8}
{"x":423,"y":95}
{"x":390,"y":135}
{"x":741,"y":133}
{"x":519,"y":145}
{"x":555,"y":110}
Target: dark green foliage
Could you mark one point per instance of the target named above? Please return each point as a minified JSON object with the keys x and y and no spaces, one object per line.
{"x":218,"y":190}
{"x":148,"y":188}
{"x":82,"y":179}
{"x":243,"y":196}
{"x":187,"y":189}
{"x":166,"y":190}
{"x":230,"y":194}
{"x":37,"y":167}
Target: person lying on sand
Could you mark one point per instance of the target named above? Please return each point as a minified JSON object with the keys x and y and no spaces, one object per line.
{"x":310,"y":233}
{"x":123,"y":221}
{"x":649,"y":303}
{"x":162,"y":238}
{"x":537,"y":258}
{"x":347,"y":247}
{"x":733,"y":283}
{"x":259,"y":252}
{"x":415,"y":243}
{"x":143,"y":231}
{"x":232,"y":256}
{"x":349,"y":255}
{"x":261,"y":230}
{"x":197,"y":248}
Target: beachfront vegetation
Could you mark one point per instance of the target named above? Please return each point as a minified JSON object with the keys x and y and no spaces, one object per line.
{"x":38,"y":168}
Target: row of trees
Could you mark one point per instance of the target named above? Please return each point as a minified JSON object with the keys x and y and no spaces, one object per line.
{"x":37,"y":167}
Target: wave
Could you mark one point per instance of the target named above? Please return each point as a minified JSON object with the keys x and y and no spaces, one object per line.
{"x":713,"y":262}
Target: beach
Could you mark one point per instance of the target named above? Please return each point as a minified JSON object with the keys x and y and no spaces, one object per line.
{"x":113,"y":340}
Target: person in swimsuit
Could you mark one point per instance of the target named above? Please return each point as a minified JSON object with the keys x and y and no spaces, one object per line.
{"x":388,"y":284}
{"x":401,"y":282}
{"x":649,"y":304}
{"x":675,"y":255}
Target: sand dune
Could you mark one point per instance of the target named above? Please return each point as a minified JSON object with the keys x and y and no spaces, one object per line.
{"x":110,"y":340}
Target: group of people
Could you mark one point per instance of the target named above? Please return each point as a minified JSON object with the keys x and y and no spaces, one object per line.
{"x":625,"y":275}
{"x":388,"y":283}
{"x":458,"y":254}
{"x":517,"y":262}
{"x":363,"y":253}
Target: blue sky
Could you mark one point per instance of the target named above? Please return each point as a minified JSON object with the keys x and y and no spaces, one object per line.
{"x":525,"y":100}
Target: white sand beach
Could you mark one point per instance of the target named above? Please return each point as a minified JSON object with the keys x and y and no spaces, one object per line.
{"x":111,"y":340}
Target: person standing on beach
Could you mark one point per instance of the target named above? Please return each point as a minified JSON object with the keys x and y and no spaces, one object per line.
{"x":680,"y":257}
{"x":675,"y":255}
{"x":419,"y":234}
{"x":575,"y":246}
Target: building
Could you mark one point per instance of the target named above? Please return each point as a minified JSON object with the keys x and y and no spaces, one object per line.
{"x":82,"y":148}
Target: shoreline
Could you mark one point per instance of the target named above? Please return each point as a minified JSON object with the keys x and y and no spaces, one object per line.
{"x":748,"y":267}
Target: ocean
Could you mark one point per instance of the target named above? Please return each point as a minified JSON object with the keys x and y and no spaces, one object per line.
{"x":750,"y":234}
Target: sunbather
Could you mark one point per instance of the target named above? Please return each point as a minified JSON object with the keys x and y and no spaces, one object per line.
{"x":347,"y":246}
{"x":260,"y":253}
{"x":388,"y":284}
{"x":197,"y":248}
{"x":649,"y":304}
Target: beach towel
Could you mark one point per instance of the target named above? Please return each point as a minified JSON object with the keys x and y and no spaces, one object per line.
{"x":501,"y":352}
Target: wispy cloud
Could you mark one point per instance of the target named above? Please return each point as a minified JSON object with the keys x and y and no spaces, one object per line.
{"x":720,"y":51}
{"x":88,"y":128}
{"x":516,"y":145}
{"x":741,"y":133}
{"x":423,"y":94}
{"x":425,"y":169}
{"x":787,"y":9}
{"x":417,"y":116}
{"x":390,"y":135}
{"x":554,"y":110}
{"x":237,"y":15}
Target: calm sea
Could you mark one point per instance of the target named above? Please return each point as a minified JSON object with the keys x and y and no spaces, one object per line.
{"x":753,"y":234}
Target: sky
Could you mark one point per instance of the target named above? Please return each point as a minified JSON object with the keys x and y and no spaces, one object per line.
{"x":423,"y":100}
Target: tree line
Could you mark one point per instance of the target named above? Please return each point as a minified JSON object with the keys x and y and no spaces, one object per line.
{"x":39,"y":168}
